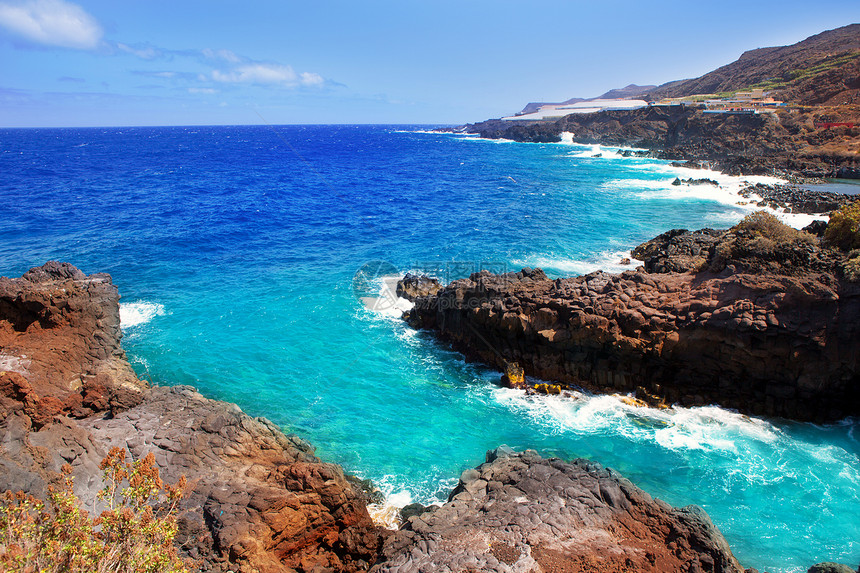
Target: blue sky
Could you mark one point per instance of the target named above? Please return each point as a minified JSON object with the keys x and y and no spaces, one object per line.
{"x":189,"y":62}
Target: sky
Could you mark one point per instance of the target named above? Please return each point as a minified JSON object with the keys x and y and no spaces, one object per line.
{"x":221,"y":62}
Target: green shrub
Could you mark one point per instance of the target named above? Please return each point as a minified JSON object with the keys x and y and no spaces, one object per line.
{"x":768,"y":226}
{"x":851,"y":267}
{"x":134,"y":534}
{"x":843,"y":230}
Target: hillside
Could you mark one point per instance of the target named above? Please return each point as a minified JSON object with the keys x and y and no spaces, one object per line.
{"x":630,"y":91}
{"x":819,"y":79}
{"x":821,"y":70}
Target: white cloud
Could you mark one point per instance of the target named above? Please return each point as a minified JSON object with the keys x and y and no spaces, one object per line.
{"x":267,"y":74}
{"x":52,"y":22}
{"x":311,"y":79}
{"x":225,"y":55}
{"x":143,"y":52}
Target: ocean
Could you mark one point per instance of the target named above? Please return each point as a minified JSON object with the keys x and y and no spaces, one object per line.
{"x":238,"y":251}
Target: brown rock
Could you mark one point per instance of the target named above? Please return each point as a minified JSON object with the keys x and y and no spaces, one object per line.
{"x":520,"y":512}
{"x":764,"y":343}
{"x":258,"y":500}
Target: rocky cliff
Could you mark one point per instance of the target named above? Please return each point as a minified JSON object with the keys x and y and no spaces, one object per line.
{"x":259,"y":500}
{"x":819,"y":76}
{"x":523,"y":513}
{"x":787,"y":142}
{"x":761,"y":325}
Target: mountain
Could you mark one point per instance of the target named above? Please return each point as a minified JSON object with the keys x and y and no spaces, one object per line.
{"x":629,"y":91}
{"x":821,"y":70}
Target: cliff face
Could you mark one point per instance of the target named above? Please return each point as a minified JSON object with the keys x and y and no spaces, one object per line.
{"x":777,"y":335}
{"x":749,"y":144}
{"x":520,"y":513}
{"x":60,"y":330}
{"x":258,"y":500}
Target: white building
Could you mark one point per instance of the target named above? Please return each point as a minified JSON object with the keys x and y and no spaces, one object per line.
{"x":553,"y":111}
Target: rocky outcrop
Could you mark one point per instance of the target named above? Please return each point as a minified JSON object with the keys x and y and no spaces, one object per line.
{"x":412,"y":286}
{"x":795,"y":199}
{"x":59,"y":330}
{"x":258,"y":500}
{"x":523,"y":513}
{"x":784,"y":143}
{"x":761,"y":326}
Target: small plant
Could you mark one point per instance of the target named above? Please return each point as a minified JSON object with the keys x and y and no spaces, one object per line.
{"x":843,"y":230}
{"x":851,"y":267}
{"x":134,"y":534}
{"x":768,"y":226}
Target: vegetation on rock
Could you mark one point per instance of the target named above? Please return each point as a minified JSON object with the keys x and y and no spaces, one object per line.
{"x":134,"y":534}
{"x":843,"y":230}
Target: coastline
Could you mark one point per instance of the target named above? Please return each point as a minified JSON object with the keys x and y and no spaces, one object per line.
{"x":462,"y":387}
{"x":753,"y":144}
{"x":260,"y":500}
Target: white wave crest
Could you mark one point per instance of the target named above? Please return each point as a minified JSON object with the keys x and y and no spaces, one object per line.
{"x":700,"y":428}
{"x":137,"y":313}
{"x":386,"y":302}
{"x":608,"y":261}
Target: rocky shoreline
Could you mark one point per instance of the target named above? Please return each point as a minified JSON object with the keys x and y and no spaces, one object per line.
{"x":785,"y":144}
{"x":764,"y":326}
{"x":519,"y":512}
{"x":258,"y":500}
{"x":261,"y":501}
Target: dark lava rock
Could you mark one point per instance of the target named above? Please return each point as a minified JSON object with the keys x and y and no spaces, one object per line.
{"x":830,"y":567}
{"x":521,"y":512}
{"x":773,"y":332}
{"x":691,"y":181}
{"x":678,"y":250}
{"x":412,"y":286}
{"x":817,"y":227}
{"x":796,"y":199}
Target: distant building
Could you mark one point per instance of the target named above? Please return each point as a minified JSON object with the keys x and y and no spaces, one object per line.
{"x":753,"y":101}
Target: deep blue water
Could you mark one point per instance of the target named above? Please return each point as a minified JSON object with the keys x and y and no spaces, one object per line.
{"x":235,"y":250}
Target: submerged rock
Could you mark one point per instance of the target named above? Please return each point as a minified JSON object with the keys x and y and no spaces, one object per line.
{"x":830,"y":567}
{"x":520,"y":512}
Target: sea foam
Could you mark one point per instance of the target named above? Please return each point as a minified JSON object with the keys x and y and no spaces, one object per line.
{"x":133,"y":314}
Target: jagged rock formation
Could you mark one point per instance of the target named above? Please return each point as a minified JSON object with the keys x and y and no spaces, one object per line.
{"x":728,"y":317}
{"x":795,"y":199}
{"x":261,"y":500}
{"x":412,"y":286}
{"x":60,"y":329}
{"x":258,"y":500}
{"x":786,"y":142}
{"x":523,"y":513}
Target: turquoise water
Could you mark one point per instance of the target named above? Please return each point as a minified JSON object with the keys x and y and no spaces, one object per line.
{"x":235,"y":250}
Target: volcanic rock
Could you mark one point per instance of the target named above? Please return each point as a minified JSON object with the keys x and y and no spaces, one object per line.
{"x":763,"y":327}
{"x":412,"y":286}
{"x":258,"y":500}
{"x":520,"y":512}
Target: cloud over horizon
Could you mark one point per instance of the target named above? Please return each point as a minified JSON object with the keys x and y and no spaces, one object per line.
{"x":51,"y":23}
{"x":267,"y":74}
